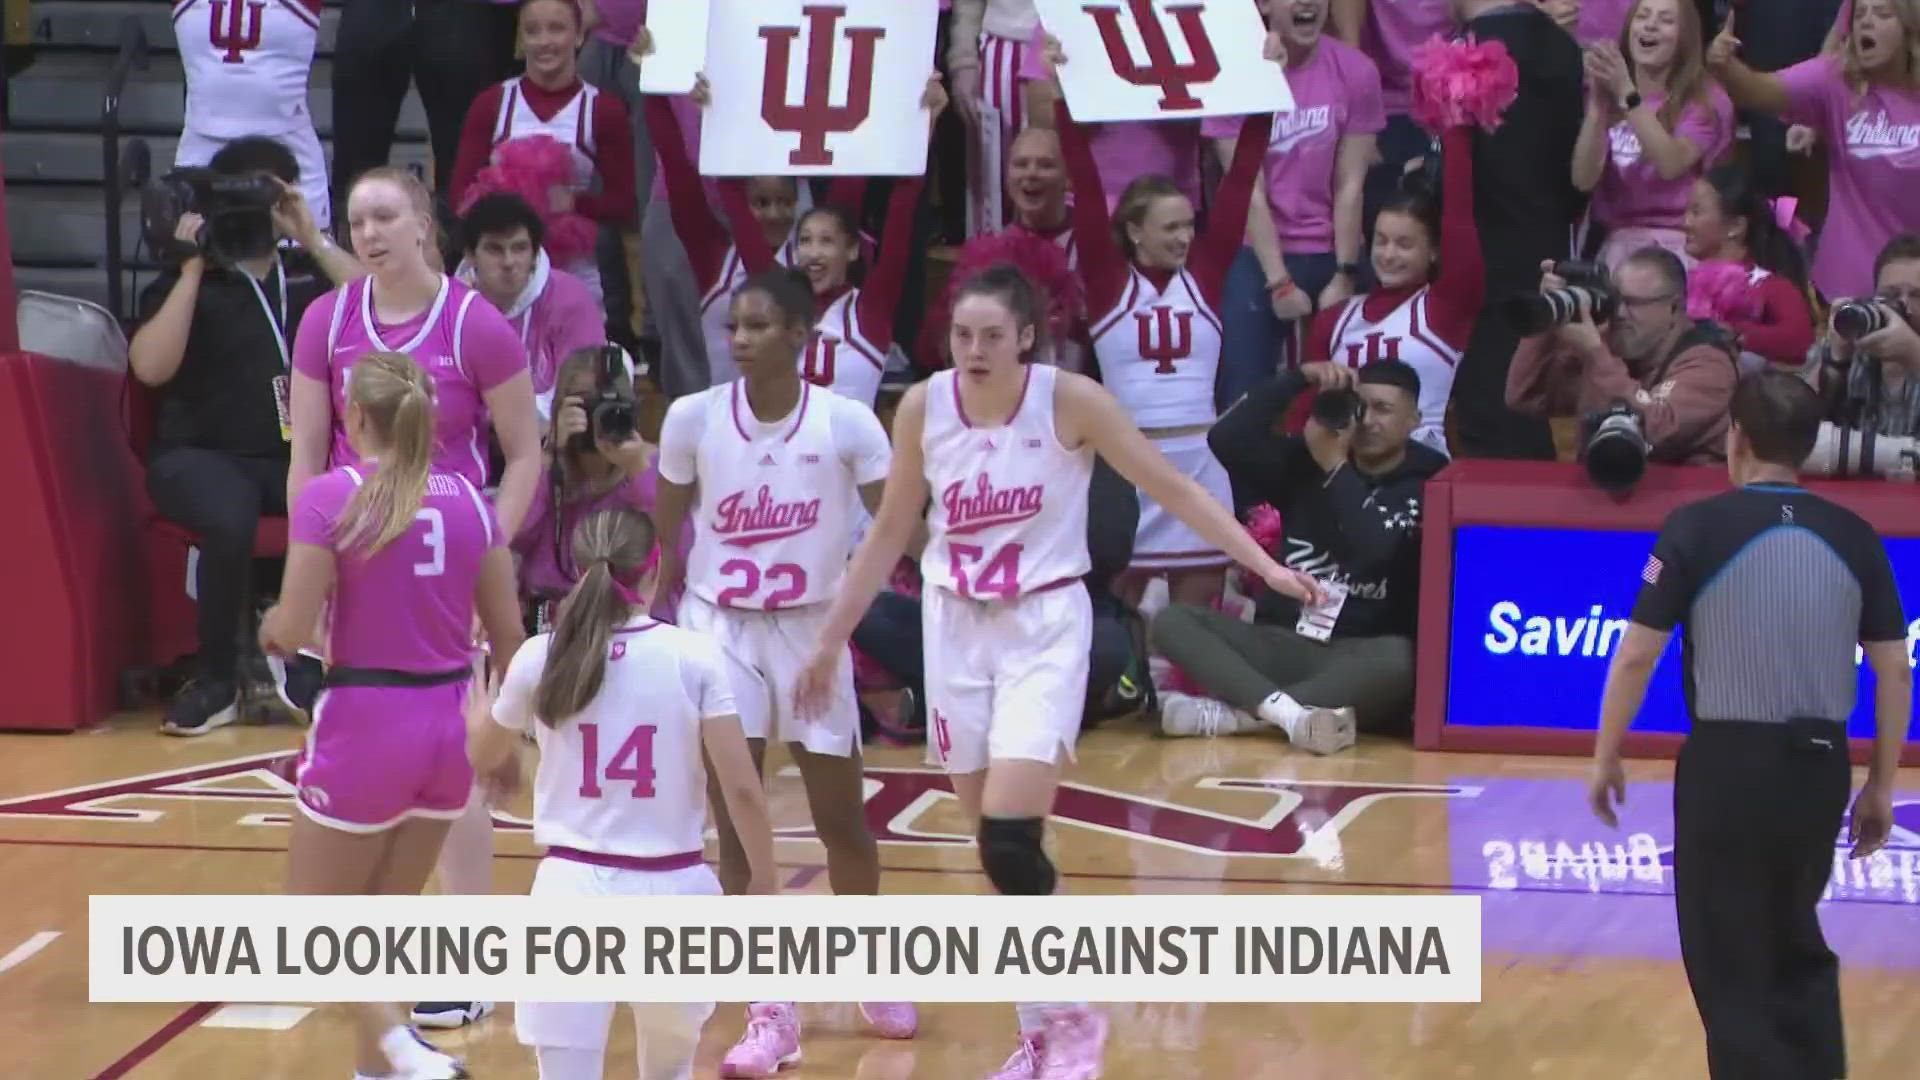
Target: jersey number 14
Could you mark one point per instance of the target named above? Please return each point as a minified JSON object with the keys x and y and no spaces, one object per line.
{"x":633,"y":762}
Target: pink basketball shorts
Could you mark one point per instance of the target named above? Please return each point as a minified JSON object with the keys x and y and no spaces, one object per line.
{"x":376,"y":756}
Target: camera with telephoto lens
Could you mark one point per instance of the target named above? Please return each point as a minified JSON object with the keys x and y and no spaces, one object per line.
{"x":238,"y":213}
{"x":1532,"y":313}
{"x":1616,"y":448}
{"x":1337,"y":410}
{"x":1844,"y":453}
{"x":1855,"y":319}
{"x":612,"y":416}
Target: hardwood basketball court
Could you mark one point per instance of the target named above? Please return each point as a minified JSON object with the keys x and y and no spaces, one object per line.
{"x":1582,"y":973}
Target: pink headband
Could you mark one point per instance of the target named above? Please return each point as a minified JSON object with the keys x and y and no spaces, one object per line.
{"x":624,"y":585}
{"x":1783,"y":216}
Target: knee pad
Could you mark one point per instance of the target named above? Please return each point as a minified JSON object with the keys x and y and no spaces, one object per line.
{"x":1011,"y":854}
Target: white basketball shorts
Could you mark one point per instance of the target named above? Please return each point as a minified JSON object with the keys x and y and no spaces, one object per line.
{"x":1164,"y":542}
{"x":1005,"y":679}
{"x":584,"y":1025}
{"x":767,"y":651}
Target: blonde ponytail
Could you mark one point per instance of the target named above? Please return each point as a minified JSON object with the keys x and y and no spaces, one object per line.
{"x":396,"y":398}
{"x":612,"y":545}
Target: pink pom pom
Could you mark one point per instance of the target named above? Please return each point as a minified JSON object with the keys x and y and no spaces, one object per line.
{"x":570,"y":238}
{"x":531,"y":168}
{"x":1263,"y":524}
{"x":1040,"y":259}
{"x":1462,"y":83}
{"x":1721,"y":291}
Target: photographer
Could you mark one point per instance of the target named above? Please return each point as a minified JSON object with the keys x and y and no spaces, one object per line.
{"x":589,"y":468}
{"x":1867,"y":367}
{"x":214,"y":344}
{"x":1349,"y":492}
{"x":1641,"y":356}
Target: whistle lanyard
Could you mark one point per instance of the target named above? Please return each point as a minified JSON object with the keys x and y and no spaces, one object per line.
{"x":277,"y":321}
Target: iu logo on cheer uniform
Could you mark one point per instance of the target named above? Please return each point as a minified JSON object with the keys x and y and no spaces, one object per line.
{"x":1165,"y":336}
{"x":816,"y":116}
{"x":1379,"y":347}
{"x":822,"y":353}
{"x":241,"y":32}
{"x":1173,"y":78}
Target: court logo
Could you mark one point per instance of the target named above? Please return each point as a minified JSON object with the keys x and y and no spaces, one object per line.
{"x":816,"y":116}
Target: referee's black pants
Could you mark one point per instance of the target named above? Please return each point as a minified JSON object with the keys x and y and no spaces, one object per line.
{"x":1756,"y":813}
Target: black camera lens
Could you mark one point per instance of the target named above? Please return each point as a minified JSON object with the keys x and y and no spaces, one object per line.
{"x":1336,"y":410}
{"x":1855,"y":319}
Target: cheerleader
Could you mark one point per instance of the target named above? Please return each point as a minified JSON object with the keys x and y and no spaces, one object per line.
{"x":407,"y":553}
{"x":1002,"y":449}
{"x":627,"y":712}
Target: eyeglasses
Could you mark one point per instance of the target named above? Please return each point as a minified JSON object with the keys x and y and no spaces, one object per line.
{"x":1626,"y":301}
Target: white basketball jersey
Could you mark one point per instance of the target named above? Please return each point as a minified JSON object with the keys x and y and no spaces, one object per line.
{"x":1009,"y":513}
{"x":1159,"y":352}
{"x":1406,"y":335}
{"x":714,"y":307}
{"x":571,"y":126}
{"x":777,"y":502}
{"x":247,"y":63}
{"x":842,"y":358}
{"x":627,"y":776}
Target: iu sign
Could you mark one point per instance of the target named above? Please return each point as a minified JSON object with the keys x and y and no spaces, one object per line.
{"x":1164,"y":59}
{"x":817,"y":87}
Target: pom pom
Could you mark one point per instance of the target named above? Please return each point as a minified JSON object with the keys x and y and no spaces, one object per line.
{"x":1263,"y":524}
{"x":531,"y":168}
{"x":1039,"y":258}
{"x":1722,"y":291}
{"x":1462,"y":83}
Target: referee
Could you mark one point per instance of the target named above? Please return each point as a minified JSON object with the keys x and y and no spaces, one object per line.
{"x":1775,"y":586}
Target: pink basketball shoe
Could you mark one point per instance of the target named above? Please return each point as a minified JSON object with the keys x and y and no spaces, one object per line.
{"x":1075,"y":1044}
{"x":772,"y":1042}
{"x":892,"y":1019}
{"x":1025,"y":1062}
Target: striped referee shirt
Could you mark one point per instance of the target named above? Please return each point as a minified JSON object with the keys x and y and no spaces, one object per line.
{"x":1775,"y":586}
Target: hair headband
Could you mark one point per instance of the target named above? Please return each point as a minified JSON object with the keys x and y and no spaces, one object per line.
{"x":625,"y":585}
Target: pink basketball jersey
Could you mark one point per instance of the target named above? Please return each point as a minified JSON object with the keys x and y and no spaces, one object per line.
{"x":1009,"y":513}
{"x":409,"y":605}
{"x":247,"y":63}
{"x":778,"y":502}
{"x":434,"y":341}
{"x":571,"y":126}
{"x":1404,"y":334}
{"x":841,"y":357}
{"x":1159,"y":352}
{"x":628,"y":775}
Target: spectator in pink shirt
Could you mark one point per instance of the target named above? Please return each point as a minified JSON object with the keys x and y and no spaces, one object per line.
{"x":1654,"y":123}
{"x":1303,"y":239}
{"x":1861,"y":97}
{"x":550,"y":309}
{"x":1603,"y":20}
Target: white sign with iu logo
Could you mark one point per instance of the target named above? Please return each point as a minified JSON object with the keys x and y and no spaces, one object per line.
{"x":818,"y":87}
{"x":1164,"y":59}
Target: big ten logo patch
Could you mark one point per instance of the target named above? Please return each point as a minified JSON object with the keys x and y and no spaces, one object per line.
{"x":1300,"y":818}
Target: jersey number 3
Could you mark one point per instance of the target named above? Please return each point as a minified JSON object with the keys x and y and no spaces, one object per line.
{"x":632,"y":762}
{"x":436,"y":542}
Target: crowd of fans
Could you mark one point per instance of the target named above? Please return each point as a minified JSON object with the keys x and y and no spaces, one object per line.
{"x":1346,"y":282}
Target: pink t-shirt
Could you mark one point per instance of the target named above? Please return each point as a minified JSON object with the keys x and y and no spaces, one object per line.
{"x":1602,"y":20}
{"x":461,"y":340}
{"x":540,"y":572}
{"x":1336,"y":93}
{"x":1392,"y":31}
{"x":408,"y":606}
{"x":566,"y":317}
{"x":1632,"y":195}
{"x":1873,"y":155}
{"x":619,"y":19}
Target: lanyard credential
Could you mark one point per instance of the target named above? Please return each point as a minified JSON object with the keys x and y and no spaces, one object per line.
{"x":277,"y":321}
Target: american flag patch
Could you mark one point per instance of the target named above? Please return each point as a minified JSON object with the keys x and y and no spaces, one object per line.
{"x":1651,"y":574}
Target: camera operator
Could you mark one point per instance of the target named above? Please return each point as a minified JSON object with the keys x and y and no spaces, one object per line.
{"x":595,"y":460}
{"x":214,"y":344}
{"x":1625,"y":347}
{"x":1349,"y":492}
{"x":1867,"y":368}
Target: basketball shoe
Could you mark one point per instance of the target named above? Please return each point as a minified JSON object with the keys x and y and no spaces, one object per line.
{"x":446,"y":1015}
{"x":892,"y":1019}
{"x":1025,"y":1062}
{"x":771,"y":1042}
{"x":1073,"y":1045}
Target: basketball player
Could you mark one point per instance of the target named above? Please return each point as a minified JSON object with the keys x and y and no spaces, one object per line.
{"x":1003,"y":448}
{"x":782,"y":467}
{"x":247,"y":67}
{"x":479,"y":370}
{"x":628,"y":711}
{"x":854,"y":332}
{"x":1153,"y":300}
{"x":406,"y":553}
{"x":1427,"y":261}
{"x":551,"y":100}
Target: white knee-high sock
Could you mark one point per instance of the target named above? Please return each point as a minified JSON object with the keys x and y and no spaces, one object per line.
{"x":570,"y":1063}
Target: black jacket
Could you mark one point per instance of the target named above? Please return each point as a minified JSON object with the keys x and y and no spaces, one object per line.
{"x":1360,"y":531}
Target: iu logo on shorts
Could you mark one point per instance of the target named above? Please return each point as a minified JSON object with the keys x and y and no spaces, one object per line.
{"x":816,"y":116}
{"x":1165,"y":336}
{"x":1378,"y":347}
{"x":1174,"y":79}
{"x":234,"y":30}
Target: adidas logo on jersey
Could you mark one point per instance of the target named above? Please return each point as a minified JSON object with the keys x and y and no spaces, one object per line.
{"x":766,"y":459}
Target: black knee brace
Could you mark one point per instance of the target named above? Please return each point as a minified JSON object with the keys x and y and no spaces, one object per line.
{"x":1011,"y":854}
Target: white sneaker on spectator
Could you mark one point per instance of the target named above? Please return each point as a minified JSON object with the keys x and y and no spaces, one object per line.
{"x":1185,"y":715}
{"x":1325,"y":731}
